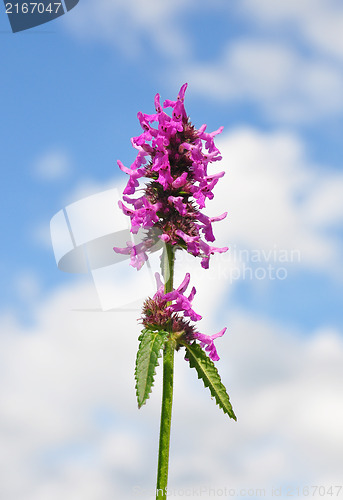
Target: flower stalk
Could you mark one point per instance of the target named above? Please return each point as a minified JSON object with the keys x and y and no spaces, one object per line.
{"x":166,"y":416}
{"x":174,"y":158}
{"x":168,"y":381}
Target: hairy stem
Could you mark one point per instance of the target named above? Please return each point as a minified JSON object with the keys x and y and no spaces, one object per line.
{"x":167,"y":395}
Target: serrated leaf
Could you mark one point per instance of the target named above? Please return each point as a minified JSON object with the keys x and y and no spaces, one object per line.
{"x":149,"y":350}
{"x":207,"y":371}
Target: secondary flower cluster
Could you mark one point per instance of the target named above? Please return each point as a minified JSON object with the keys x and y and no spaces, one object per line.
{"x":168,"y":311}
{"x":174,"y":156}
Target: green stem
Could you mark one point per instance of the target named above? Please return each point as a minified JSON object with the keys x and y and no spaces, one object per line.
{"x":167,"y":395}
{"x":168,"y":268}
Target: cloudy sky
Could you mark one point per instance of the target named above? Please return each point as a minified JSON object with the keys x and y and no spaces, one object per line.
{"x":272,"y":74}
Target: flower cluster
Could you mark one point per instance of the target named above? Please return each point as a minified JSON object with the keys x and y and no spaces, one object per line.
{"x":174,"y":156}
{"x":168,"y":311}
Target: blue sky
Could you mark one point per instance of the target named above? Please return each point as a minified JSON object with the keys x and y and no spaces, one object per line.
{"x":272,"y":74}
{"x":79,"y":96}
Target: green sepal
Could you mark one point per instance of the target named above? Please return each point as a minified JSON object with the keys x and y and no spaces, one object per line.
{"x":207,"y":371}
{"x":149,"y":350}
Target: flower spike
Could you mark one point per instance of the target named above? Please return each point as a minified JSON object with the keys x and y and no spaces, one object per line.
{"x":178,"y":180}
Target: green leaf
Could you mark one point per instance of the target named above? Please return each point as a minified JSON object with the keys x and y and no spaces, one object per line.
{"x":206,"y":370}
{"x":149,"y":350}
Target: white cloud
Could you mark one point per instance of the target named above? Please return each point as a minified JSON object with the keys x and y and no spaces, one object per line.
{"x":289,"y":87}
{"x":52,"y":165}
{"x":129,"y":25}
{"x":272,"y":71}
{"x":55,"y":377}
{"x":87,"y":187}
{"x":27,"y":285}
{"x":69,"y":425}
{"x":281,"y":209}
{"x":83,"y":188}
{"x":276,"y":198}
{"x":318,"y":22}
{"x":325,"y":206}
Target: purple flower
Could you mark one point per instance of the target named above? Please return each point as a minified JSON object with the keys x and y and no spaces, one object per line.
{"x":137,"y":252}
{"x":169,"y":310}
{"x":178,"y":204}
{"x":174,"y":157}
{"x":207,"y":340}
